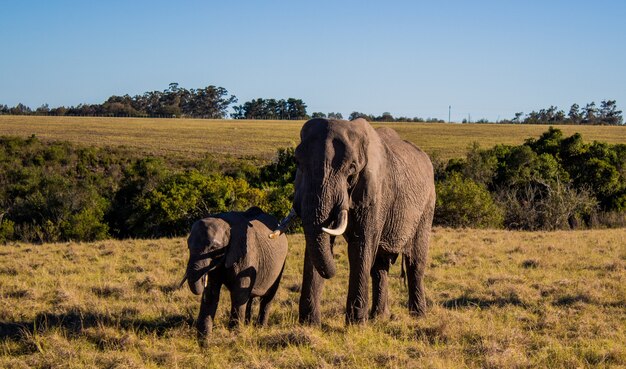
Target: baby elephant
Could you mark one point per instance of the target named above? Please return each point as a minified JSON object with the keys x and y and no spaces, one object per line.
{"x":233,"y":249}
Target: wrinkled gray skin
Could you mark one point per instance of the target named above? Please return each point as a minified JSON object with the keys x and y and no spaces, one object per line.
{"x":232,"y":249}
{"x":387,"y":186}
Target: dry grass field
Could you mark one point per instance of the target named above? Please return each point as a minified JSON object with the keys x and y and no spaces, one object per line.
{"x":498,"y":299}
{"x":259,"y":139}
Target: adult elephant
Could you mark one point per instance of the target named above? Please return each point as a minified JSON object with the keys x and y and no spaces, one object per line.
{"x":376,"y":190}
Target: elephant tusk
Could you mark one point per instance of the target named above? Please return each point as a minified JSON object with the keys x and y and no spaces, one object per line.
{"x":283,"y":224}
{"x":275,"y":234}
{"x":183,"y":281}
{"x":343,"y":224}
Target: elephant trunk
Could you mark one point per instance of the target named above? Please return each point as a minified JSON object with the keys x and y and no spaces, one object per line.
{"x":324,"y":215}
{"x":318,"y":247}
{"x":197,"y":274}
{"x":197,"y":286}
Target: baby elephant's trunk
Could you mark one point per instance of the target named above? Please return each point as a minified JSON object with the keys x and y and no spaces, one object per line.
{"x":196,"y":275}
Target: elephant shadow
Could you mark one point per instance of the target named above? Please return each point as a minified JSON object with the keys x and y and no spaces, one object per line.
{"x":468,"y":302}
{"x":76,"y":321}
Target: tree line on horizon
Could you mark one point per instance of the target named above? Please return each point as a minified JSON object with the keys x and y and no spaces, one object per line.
{"x":387,"y":117}
{"x":213,"y":102}
{"x":590,"y":114}
{"x":209,"y":102}
{"x":289,"y":109}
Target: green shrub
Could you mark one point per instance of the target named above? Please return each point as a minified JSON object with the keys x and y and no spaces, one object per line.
{"x":7,"y":230}
{"x":138,"y":179}
{"x":282,"y":171}
{"x":480,"y":165}
{"x":170,"y":205}
{"x":461,"y":202}
{"x":55,"y":191}
{"x":279,"y":200}
{"x":552,"y":182}
{"x":87,"y":223}
{"x":521,"y":166}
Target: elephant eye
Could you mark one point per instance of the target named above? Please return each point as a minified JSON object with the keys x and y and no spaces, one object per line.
{"x":352,"y":169}
{"x":352,"y":175}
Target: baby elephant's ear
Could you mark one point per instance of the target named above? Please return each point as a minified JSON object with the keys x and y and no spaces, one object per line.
{"x":238,"y":247}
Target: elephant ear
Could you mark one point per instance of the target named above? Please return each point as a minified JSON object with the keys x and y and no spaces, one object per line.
{"x":238,"y":246}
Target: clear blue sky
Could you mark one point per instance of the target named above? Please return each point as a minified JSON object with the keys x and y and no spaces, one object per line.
{"x":485,"y":58}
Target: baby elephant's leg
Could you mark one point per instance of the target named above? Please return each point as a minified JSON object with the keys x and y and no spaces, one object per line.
{"x":239,"y":298}
{"x":266,"y":300}
{"x":249,"y":310}
{"x":208,"y":307}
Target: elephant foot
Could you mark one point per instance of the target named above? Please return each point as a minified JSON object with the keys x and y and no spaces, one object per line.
{"x":203,"y":341}
{"x":203,"y":329}
{"x":356,"y":312}
{"x":310,"y":321}
{"x":417,"y":308}
{"x":309,"y":314}
{"x":261,"y":322}
{"x":233,"y":324}
{"x":202,"y":337}
{"x":310,"y":318}
{"x":418,"y":311}
{"x":354,"y":319}
{"x":380,"y":314}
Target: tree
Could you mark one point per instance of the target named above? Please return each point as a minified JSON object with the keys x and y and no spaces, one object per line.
{"x":296,"y":109}
{"x":318,"y":114}
{"x":271,"y":109}
{"x":20,"y":109}
{"x":609,"y":114}
{"x":355,"y":114}
{"x":44,"y":109}
{"x":386,"y":117}
{"x":574,"y":115}
{"x":210,"y":102}
{"x":590,"y":113}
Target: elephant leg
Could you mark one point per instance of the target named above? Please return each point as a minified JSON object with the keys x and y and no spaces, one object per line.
{"x":208,"y":307}
{"x":237,"y":309}
{"x":310,"y":295}
{"x":417,"y":299}
{"x":249,"y":310}
{"x":266,"y":300}
{"x":358,"y":286}
{"x":416,"y":264}
{"x":380,"y":283}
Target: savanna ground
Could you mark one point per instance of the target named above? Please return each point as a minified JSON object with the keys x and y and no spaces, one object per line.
{"x":497,"y":299}
{"x":186,"y":138}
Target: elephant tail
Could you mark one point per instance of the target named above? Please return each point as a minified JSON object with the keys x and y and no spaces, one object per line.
{"x":403,"y":270}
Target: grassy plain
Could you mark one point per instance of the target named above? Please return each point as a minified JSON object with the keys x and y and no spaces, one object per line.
{"x":186,"y":138}
{"x":498,"y":299}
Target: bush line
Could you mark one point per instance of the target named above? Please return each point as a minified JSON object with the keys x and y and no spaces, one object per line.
{"x":57,"y":191}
